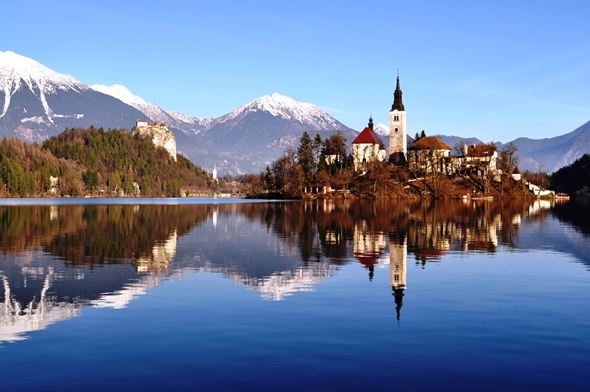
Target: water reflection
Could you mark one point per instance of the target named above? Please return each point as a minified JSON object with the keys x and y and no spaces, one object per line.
{"x":58,"y":259}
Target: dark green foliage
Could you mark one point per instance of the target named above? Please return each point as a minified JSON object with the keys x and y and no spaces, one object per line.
{"x":95,"y":161}
{"x":25,"y":169}
{"x":299,"y":172}
{"x":573,"y":178}
{"x":306,"y":158}
{"x":116,"y":159}
{"x":90,"y":178}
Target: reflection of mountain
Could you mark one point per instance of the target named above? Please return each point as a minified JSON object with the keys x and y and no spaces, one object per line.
{"x":17,"y":318}
{"x":40,"y":290}
{"x":56,"y":260}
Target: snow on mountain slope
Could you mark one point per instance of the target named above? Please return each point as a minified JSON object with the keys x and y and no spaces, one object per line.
{"x":123,"y":94}
{"x":381,"y":129}
{"x":18,"y":71}
{"x":37,"y":102}
{"x":281,"y":106}
{"x":153,"y":111}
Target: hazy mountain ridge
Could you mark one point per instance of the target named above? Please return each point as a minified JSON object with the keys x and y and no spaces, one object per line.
{"x":547,"y":154}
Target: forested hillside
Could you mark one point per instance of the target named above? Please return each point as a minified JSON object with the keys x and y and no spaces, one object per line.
{"x":574,"y":178}
{"x":95,"y":162}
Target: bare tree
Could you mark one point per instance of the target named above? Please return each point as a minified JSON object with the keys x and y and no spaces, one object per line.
{"x":509,"y":159}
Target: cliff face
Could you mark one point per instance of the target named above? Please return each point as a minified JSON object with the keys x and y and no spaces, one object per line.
{"x":160,"y":135}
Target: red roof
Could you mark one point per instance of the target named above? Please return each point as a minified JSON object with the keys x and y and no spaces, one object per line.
{"x":368,"y":136}
{"x":481,"y":150}
{"x":429,"y":143}
{"x":367,"y":260}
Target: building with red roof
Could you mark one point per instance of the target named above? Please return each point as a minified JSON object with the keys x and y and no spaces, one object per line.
{"x":367,"y":147}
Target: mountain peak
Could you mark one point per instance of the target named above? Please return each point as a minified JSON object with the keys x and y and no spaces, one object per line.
{"x":276,"y":103}
{"x":381,"y":129}
{"x":282,"y":106}
{"x":16,"y":69}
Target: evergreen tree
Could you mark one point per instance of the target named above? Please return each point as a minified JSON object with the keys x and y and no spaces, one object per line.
{"x":90,"y":178}
{"x":318,"y":149}
{"x":306,"y":158}
{"x":268,"y":179}
{"x":423,"y":134}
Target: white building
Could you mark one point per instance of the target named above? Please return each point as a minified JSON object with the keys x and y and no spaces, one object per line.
{"x":367,"y":147}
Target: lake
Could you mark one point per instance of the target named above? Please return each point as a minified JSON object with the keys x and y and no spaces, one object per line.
{"x":154,"y":295}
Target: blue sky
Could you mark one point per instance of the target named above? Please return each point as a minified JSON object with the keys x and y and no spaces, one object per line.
{"x":495,"y":70}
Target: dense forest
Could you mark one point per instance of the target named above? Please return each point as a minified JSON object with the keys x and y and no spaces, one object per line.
{"x":95,"y":162}
{"x":574,"y":178}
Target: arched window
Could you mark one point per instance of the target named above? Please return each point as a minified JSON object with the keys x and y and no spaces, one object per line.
{"x":395,"y":129}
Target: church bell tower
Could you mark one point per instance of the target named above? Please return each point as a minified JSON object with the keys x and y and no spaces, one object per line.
{"x":397,"y":127}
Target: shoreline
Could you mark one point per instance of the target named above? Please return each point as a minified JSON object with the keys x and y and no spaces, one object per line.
{"x":48,"y":201}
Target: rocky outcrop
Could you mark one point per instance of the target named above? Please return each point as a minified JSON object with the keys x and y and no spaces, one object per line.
{"x":160,"y":135}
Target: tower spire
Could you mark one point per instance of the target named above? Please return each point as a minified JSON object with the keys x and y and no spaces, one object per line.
{"x":397,"y":97}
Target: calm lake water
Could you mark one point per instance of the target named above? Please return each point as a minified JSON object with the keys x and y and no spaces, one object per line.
{"x":359,"y":296}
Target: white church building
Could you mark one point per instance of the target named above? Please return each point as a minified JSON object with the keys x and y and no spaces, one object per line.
{"x":367,"y":146}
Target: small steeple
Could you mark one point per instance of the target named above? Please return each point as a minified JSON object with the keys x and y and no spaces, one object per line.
{"x":370,"y":122}
{"x":397,"y":98}
{"x":398,"y":295}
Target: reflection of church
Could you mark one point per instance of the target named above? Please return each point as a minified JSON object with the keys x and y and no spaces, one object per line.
{"x":398,"y":255}
{"x":368,"y":246}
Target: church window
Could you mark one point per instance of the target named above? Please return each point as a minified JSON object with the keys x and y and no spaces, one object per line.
{"x":395,"y":129}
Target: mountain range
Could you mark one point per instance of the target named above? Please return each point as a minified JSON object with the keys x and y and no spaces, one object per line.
{"x":37,"y":102}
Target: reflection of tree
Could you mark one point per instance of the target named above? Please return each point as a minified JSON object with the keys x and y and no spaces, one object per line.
{"x":339,"y":230}
{"x":575,"y":213}
{"x":436,"y":228}
{"x":96,"y":234}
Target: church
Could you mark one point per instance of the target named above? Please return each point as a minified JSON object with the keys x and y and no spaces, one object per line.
{"x":368,"y":147}
{"x":427,"y":154}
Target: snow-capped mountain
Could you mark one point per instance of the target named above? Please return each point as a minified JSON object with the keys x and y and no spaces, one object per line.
{"x":381,"y":129}
{"x":261,"y":131}
{"x":287,"y":108}
{"x":269,"y":118}
{"x":36,"y":102}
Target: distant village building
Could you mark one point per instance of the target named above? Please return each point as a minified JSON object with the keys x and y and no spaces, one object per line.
{"x":159,"y":134}
{"x":215,"y":173}
{"x":332,"y":157}
{"x":516,"y":176}
{"x":428,"y":154}
{"x":481,"y":156}
{"x":367,"y":147}
{"x":397,"y":127}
